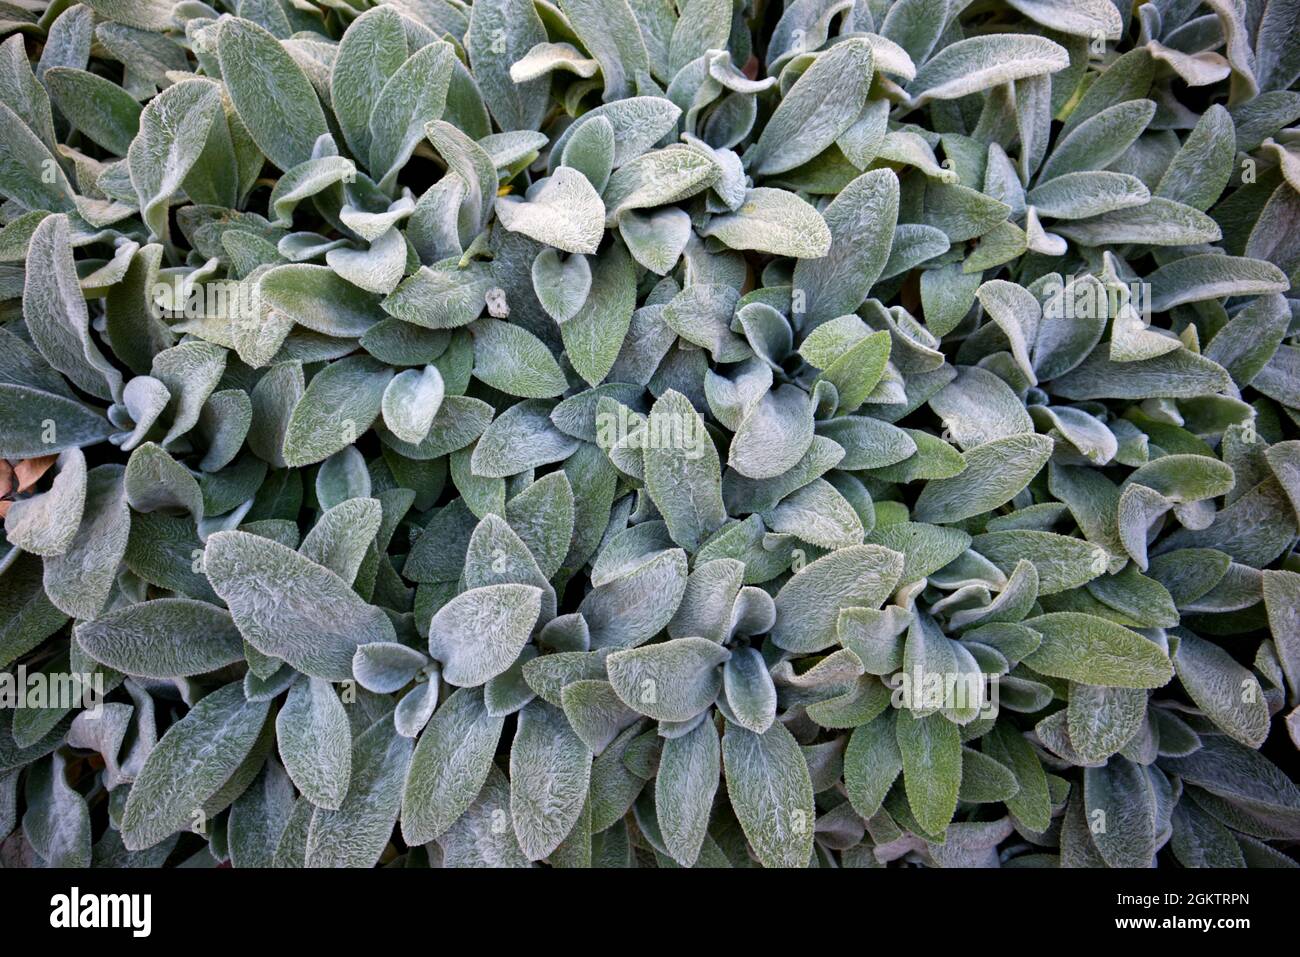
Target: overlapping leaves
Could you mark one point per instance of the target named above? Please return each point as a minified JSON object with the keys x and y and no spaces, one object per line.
{"x":608,"y":433}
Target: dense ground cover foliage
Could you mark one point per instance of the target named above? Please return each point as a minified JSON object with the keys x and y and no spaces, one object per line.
{"x":638,"y":432}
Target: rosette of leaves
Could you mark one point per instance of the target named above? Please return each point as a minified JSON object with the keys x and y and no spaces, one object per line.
{"x":607,"y":433}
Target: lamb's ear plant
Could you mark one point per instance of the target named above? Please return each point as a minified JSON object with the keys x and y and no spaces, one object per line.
{"x":608,"y":434}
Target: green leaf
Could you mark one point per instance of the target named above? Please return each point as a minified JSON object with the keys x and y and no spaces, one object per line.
{"x":316,"y":298}
{"x":631,"y":609}
{"x":872,"y":762}
{"x":449,"y":767}
{"x":561,"y":284}
{"x":473,"y":165}
{"x":1062,"y":562}
{"x":595,"y":712}
{"x":684,"y":790}
{"x":773,"y":221}
{"x":46,"y":523}
{"x":682,"y":470}
{"x":977,"y":407}
{"x":1198,"y":840}
{"x":1095,"y":651}
{"x":57,"y":821}
{"x":510,"y":358}
{"x":356,"y":834}
{"x":386,"y":666}
{"x":163,"y":638}
{"x":1239,"y":782}
{"x":411,"y":401}
{"x":1104,"y":720}
{"x":1250,"y":339}
{"x":670,"y":681}
{"x":861,"y":221}
{"x":980,"y":62}
{"x":1281,"y":591}
{"x":544,"y":58}
{"x":1202,"y":166}
{"x":771,"y":792}
{"x":153,"y":15}
{"x":657,"y":178}
{"x":594,"y":336}
{"x":819,"y":514}
{"x":773,"y":435}
{"x":24,"y":165}
{"x":522,"y":437}
{"x":372,"y":49}
{"x":809,"y":603}
{"x":1227,"y":693}
{"x":609,"y":30}
{"x":915,"y":25}
{"x":315,"y":742}
{"x":273,"y":97}
{"x":56,"y":315}
{"x":289,"y":607}
{"x":1160,"y":222}
{"x":192,"y":762}
{"x":1081,"y":19}
{"x":1099,"y":140}
{"x":259,"y":817}
{"x":1126,"y":799}
{"x":550,"y":772}
{"x":479,"y":633}
{"x":925,"y":548}
{"x":173,"y":129}
{"x":157,"y":482}
{"x":413,"y":96}
{"x":26,"y":415}
{"x":502,"y":32}
{"x":543,"y":517}
{"x":930,"y":749}
{"x":440,"y":298}
{"x":751,"y":694}
{"x":591,"y":152}
{"x":1082,"y":194}
{"x":477,"y":839}
{"x":79,"y":581}
{"x":823,"y":103}
{"x":1032,"y":802}
{"x":341,"y":402}
{"x":638,"y":121}
{"x":1198,"y":278}
{"x":995,"y":472}
{"x":564,"y":211}
{"x":983,"y":780}
{"x":99,"y":108}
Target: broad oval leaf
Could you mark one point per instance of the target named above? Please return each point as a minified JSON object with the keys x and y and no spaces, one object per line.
{"x":273,"y":97}
{"x":315,"y":742}
{"x":450,"y":764}
{"x":290,"y":607}
{"x":478,"y":634}
{"x":191,"y":763}
{"x":771,"y":792}
{"x":163,"y":638}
